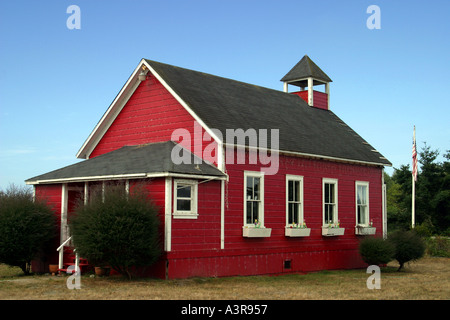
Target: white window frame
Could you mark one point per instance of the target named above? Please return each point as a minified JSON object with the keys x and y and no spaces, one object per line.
{"x":184,"y":214}
{"x":365,"y":184}
{"x":336,"y":211}
{"x":260,"y":175}
{"x":290,"y":177}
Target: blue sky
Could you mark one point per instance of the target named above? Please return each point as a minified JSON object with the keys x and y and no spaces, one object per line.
{"x":56,"y":83}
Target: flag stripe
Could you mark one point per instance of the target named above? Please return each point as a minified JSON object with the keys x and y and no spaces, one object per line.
{"x":414,"y":156}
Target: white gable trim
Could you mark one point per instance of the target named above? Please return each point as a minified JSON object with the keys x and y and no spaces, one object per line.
{"x":122,"y":98}
{"x":110,"y":115}
{"x":220,"y":156}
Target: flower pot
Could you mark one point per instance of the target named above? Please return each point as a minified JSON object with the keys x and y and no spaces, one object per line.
{"x":297,"y":232}
{"x":365,"y":231}
{"x":330,"y":232}
{"x":256,"y":232}
{"x":102,"y":271}
{"x":53,"y":269}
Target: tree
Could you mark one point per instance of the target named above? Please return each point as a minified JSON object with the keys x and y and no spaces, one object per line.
{"x":375,"y":250}
{"x":432,"y":194}
{"x":117,"y":229}
{"x":409,"y":246}
{"x":26,"y":227}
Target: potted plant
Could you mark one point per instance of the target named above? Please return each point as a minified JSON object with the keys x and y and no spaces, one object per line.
{"x":297,"y":230}
{"x":102,"y":271}
{"x":333,"y":229}
{"x":256,"y":231}
{"x":53,"y":269}
{"x":365,"y":230}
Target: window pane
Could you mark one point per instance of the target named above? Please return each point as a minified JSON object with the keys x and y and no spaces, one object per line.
{"x":249,"y":212}
{"x":327,"y":193}
{"x":295,"y":213}
{"x":256,"y":188}
{"x":249,"y":188}
{"x":362,"y":214}
{"x":183,"y":191}
{"x":329,"y":213}
{"x":183,"y":205}
{"x":290,"y":213}
{"x":255,"y":211}
{"x":290,"y":190}
{"x":332,"y":193}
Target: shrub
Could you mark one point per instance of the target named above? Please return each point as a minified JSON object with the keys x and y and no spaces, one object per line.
{"x":375,"y":250}
{"x":438,"y":246}
{"x":26,"y":227}
{"x":409,"y":246}
{"x":117,"y":229}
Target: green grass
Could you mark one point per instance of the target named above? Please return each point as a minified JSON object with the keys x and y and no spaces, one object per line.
{"x":427,"y":278}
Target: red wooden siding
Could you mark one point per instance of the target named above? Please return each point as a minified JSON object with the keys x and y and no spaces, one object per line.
{"x":202,"y":233}
{"x":195,"y":249}
{"x":320,"y":99}
{"x":152,"y":114}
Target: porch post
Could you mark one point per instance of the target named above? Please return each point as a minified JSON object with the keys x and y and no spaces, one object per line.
{"x":222,"y":214}
{"x":63,"y":235}
{"x":168,"y":215}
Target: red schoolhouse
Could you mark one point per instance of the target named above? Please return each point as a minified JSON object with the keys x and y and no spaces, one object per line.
{"x":249,"y":180}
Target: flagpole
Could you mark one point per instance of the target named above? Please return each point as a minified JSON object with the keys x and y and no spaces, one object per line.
{"x":413,"y":201}
{"x":414,"y":177}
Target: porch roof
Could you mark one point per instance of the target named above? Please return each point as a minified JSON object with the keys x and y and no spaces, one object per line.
{"x":132,"y":162}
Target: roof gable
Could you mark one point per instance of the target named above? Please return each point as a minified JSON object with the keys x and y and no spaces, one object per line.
{"x":221,"y":103}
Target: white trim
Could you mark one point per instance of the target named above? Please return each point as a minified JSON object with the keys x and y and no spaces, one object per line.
{"x":193,"y":212}
{"x":336,"y":211}
{"x":384,"y":205}
{"x":222,"y":214}
{"x":255,"y":174}
{"x":63,"y":225}
{"x":128,"y":176}
{"x":290,"y":177}
{"x":168,"y":215}
{"x":310,"y":92}
{"x":110,"y":115}
{"x":122,"y":98}
{"x":365,"y":184}
{"x":310,"y":155}
{"x":220,"y":155}
{"x":86,"y":193}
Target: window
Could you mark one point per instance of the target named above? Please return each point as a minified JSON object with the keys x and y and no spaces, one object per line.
{"x":330,"y":206}
{"x":185,"y":199}
{"x":362,"y":203}
{"x":254,"y":198}
{"x":294,"y":200}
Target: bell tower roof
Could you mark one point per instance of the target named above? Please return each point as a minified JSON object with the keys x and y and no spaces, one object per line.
{"x":303,"y":70}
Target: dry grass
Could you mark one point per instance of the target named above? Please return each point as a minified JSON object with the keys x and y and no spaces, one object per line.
{"x":426,"y":279}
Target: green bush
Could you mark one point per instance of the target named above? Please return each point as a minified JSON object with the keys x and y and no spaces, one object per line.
{"x":438,"y":246}
{"x":409,"y":246}
{"x":117,"y":229}
{"x":375,"y":250}
{"x":26,"y":227}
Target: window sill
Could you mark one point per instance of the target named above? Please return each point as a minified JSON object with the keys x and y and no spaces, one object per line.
{"x":251,"y":232}
{"x":331,"y":232}
{"x":185,"y":215}
{"x":365,"y":231}
{"x":297,"y":232}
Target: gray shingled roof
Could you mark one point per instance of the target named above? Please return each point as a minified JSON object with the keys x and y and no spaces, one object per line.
{"x":305,"y":68}
{"x":152,"y":158}
{"x":228,"y":104}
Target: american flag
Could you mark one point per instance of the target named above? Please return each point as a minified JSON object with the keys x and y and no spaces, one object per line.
{"x":414,"y":156}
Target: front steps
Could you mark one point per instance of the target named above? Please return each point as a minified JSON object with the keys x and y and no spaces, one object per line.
{"x":69,"y":259}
